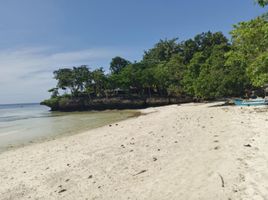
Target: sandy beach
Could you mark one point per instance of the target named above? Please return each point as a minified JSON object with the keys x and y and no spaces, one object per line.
{"x":190,"y":151}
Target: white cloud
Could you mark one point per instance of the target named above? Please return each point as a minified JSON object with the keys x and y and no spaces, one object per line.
{"x":26,"y":73}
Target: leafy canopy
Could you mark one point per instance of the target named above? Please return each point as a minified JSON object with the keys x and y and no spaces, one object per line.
{"x":250,"y":42}
{"x":262,"y":2}
{"x":207,"y":66}
{"x":117,"y":64}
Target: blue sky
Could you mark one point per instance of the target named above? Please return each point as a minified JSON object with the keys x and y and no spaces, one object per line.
{"x":40,"y":36}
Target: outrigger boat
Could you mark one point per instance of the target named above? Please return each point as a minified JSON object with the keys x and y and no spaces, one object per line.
{"x":251,"y":102}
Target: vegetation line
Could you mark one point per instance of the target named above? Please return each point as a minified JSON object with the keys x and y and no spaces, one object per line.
{"x":207,"y":66}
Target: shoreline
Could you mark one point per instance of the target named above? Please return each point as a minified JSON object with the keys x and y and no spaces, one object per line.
{"x":190,"y":151}
{"x":132,"y":114}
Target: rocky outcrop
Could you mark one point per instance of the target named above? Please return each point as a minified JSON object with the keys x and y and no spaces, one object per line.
{"x":83,"y":104}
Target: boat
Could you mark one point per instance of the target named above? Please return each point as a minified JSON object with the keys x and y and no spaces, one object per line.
{"x":251,"y":102}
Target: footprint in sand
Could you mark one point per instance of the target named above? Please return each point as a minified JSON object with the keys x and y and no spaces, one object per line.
{"x":217,"y":148}
{"x":242,"y":177}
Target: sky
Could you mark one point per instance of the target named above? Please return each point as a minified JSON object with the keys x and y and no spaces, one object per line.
{"x":38,"y":37}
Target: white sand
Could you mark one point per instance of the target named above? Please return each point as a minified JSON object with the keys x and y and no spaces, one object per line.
{"x":183,"y":152}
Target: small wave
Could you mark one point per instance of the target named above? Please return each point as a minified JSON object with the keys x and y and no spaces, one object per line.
{"x":16,"y":118}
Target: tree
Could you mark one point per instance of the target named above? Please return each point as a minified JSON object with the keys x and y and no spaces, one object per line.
{"x":125,"y":79}
{"x":192,"y":73}
{"x":117,"y":64}
{"x":99,"y":82}
{"x":65,"y":78}
{"x":203,"y":42}
{"x":162,"y":51}
{"x":250,"y":38}
{"x":258,"y":70}
{"x":209,"y":84}
{"x":74,"y":79}
{"x":236,"y":80}
{"x":147,"y":80}
{"x":176,"y":70}
{"x":250,"y":42}
{"x":206,"y":66}
{"x":81,"y":76}
{"x":188,"y":49}
{"x":196,"y":53}
{"x":262,"y":2}
{"x":54,"y":92}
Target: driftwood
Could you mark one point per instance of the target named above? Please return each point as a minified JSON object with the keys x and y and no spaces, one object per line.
{"x":143,"y":171}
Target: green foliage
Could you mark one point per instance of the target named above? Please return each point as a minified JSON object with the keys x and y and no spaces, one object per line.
{"x":251,"y":38}
{"x":175,"y":72}
{"x":258,"y":70}
{"x":203,"y":42}
{"x":262,"y":2}
{"x":207,"y":66}
{"x":53,"y":102}
{"x":250,"y":42}
{"x":209,"y":84}
{"x":99,"y":82}
{"x":117,"y":64}
{"x":162,"y":51}
{"x":192,"y":73}
{"x":236,"y":80}
{"x":204,"y":58}
{"x":74,"y":79}
{"x":54,"y":92}
{"x":64,"y":77}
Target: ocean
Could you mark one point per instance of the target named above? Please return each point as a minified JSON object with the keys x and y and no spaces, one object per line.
{"x":22,"y":124}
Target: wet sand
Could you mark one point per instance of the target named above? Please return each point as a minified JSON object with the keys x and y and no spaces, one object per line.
{"x":192,"y":151}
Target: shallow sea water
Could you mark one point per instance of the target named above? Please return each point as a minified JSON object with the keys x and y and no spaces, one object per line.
{"x":22,"y":124}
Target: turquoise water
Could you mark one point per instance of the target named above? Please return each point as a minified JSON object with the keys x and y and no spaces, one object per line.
{"x":22,"y":124}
